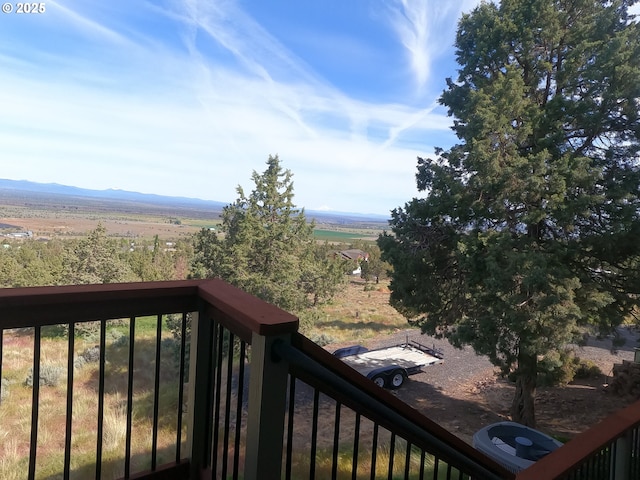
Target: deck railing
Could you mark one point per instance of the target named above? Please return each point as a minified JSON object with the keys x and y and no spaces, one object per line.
{"x":97,"y":403}
{"x":608,"y":451}
{"x":197,"y":379}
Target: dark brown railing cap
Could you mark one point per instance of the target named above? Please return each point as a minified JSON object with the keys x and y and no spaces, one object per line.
{"x":253,"y":314}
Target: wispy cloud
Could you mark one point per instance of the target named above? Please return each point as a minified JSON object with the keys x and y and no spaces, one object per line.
{"x":410,"y":19}
{"x":425,"y":30}
{"x":193,"y":107}
{"x":86,"y":25}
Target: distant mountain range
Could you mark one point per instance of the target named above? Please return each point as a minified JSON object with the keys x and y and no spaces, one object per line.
{"x":111,"y":194}
{"x":23,"y":187}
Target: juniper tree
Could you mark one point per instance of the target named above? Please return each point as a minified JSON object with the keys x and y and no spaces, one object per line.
{"x":530,"y":224}
{"x":96,"y":259}
{"x":266,"y":246}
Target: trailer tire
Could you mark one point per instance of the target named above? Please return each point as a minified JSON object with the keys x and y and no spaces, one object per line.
{"x":379,"y":380}
{"x":397,"y":379}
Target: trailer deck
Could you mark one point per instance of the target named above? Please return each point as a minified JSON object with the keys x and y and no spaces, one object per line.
{"x":390,"y":366}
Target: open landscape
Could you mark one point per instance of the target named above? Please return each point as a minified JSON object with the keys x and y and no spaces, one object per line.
{"x":467,"y":179}
{"x":56,"y":211}
{"x":463,"y":394}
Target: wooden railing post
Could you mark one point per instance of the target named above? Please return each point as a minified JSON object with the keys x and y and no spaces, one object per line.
{"x":266,"y":414}
{"x":621,"y":463}
{"x":200,"y":394}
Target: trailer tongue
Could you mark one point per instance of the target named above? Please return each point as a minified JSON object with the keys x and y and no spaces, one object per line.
{"x":390,"y":366}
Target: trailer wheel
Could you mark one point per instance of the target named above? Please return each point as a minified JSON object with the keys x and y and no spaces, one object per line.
{"x":397,"y":379}
{"x":378,"y":380}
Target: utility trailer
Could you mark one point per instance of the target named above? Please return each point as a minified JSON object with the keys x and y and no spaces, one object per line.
{"x":389,"y":367}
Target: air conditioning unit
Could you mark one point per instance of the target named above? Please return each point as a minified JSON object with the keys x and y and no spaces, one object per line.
{"x":512,"y":445}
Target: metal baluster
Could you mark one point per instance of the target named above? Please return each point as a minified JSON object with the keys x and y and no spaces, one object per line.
{"x":356,"y":443}
{"x":132,"y":342}
{"x":216,"y":409}
{"x":336,"y":440}
{"x":392,"y":453}
{"x":374,"y":452}
{"x":69,"y":414}
{"x":156,"y":396}
{"x":103,"y":335}
{"x":227,"y":407}
{"x":34,"y":403}
{"x":291,"y":413}
{"x":183,"y":343}
{"x":314,"y":435}
{"x":407,"y":461}
{"x":236,"y":447}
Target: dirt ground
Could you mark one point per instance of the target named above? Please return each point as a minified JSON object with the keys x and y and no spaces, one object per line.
{"x":463,"y":394}
{"x":560,"y":411}
{"x":73,"y":227}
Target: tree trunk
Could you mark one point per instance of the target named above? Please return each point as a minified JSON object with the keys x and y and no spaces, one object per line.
{"x":523,"y":405}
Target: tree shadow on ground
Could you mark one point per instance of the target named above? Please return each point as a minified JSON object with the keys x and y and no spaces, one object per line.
{"x":425,"y":398}
{"x":349,"y":325}
{"x":116,"y":386}
{"x":630,"y":335}
{"x":114,"y":469}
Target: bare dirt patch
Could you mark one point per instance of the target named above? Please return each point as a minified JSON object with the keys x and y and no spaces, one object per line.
{"x":76,"y":227}
{"x":562,"y":412}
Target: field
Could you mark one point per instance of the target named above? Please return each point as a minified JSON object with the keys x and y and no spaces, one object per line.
{"x":344,"y":236}
{"x":62,"y":221}
{"x":359,"y":313}
{"x":15,"y":409}
{"x":45,"y":224}
{"x":48,"y":216}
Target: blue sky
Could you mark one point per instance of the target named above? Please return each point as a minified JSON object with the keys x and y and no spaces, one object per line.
{"x":187,"y":98}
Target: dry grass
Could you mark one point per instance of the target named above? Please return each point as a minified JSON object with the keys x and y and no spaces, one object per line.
{"x":15,"y":411}
{"x":79,"y":226}
{"x":360,"y":312}
{"x":324,"y":462}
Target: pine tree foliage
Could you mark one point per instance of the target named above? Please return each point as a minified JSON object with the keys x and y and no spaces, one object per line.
{"x":29,"y":263}
{"x":530,"y":226}
{"x":96,"y":259}
{"x":267,"y":246}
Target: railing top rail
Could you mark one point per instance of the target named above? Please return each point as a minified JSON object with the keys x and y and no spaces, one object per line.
{"x":574,"y":453}
{"x":248,"y":313}
{"x":243,"y":313}
{"x":30,"y":306}
{"x":61,"y":293}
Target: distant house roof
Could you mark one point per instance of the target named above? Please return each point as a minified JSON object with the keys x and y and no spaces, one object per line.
{"x":354,"y":254}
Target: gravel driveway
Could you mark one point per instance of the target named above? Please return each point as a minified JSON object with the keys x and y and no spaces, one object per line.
{"x":461,"y":365}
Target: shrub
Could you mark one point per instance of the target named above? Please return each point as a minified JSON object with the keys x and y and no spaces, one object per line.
{"x":49,"y":375}
{"x":4,"y":389}
{"x":79,"y":362}
{"x":308,"y":320}
{"x":322,"y":339}
{"x":560,"y":368}
{"x":174,"y":324}
{"x":587,"y":369}
{"x":91,"y":354}
{"x":118,"y":338}
{"x":369,"y":287}
{"x":88,"y":330}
